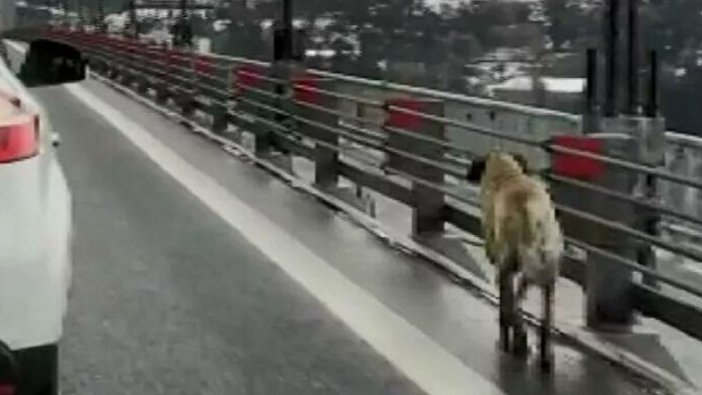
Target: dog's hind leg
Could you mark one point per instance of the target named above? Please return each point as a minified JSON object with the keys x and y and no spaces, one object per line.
{"x":506,"y":308}
{"x":545,"y":346}
{"x":521,"y":342}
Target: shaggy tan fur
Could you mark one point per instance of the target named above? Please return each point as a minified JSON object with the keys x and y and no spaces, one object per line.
{"x":522,"y":238}
{"x":519,"y":220}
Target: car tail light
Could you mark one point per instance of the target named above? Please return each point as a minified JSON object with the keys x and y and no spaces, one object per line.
{"x":19,"y":139}
{"x":8,"y":371}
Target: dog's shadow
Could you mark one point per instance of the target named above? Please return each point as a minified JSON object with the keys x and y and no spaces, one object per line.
{"x":522,"y":375}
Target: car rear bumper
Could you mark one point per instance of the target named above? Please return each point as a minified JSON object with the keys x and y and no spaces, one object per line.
{"x":37,"y":370}
{"x":33,"y":371}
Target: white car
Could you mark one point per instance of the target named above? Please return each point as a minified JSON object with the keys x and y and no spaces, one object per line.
{"x":35,"y":244}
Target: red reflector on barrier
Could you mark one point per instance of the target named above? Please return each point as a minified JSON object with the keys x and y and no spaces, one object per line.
{"x":305,"y":90}
{"x":178,"y":57}
{"x":19,"y":138}
{"x":576,"y":166}
{"x":249,"y":76}
{"x":161,"y":55}
{"x":204,"y":64}
{"x":402,"y":120}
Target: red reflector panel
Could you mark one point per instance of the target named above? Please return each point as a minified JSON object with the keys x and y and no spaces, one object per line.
{"x":19,"y":139}
{"x":306,"y":91}
{"x":204,"y":64}
{"x":7,"y":389}
{"x":249,"y":76}
{"x":575,"y":166}
{"x":403,"y":120}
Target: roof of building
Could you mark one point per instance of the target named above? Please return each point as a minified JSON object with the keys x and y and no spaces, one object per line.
{"x":551,"y":84}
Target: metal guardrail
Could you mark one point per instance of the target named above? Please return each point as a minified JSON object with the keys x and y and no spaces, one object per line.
{"x":416,"y":143}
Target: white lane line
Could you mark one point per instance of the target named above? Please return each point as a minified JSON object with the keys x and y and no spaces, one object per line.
{"x":422,"y":360}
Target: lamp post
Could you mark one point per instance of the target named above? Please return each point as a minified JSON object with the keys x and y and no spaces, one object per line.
{"x":101,"y":16}
{"x":183,"y":33}
{"x":133,"y":18}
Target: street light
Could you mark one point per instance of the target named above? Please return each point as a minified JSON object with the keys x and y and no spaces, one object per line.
{"x":101,"y":16}
{"x":283,"y":34}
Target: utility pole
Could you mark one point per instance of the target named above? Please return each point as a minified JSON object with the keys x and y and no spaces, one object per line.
{"x":133,"y":20}
{"x":612,"y":60}
{"x":288,"y":27}
{"x":183,"y":33}
{"x":81,"y":14}
{"x":283,"y":34}
{"x":101,"y":16}
{"x":627,"y":133}
{"x":633,"y":58}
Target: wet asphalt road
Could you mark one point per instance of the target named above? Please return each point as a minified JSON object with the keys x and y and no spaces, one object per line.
{"x":168,"y":299}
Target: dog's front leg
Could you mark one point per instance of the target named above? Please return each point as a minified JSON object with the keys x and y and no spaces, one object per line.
{"x":545,"y":346}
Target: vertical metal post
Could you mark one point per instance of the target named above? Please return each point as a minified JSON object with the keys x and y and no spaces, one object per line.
{"x":185,"y":28}
{"x":633,"y":57}
{"x":133,"y":18}
{"x":288,"y":29}
{"x":608,"y":284}
{"x":79,"y":12}
{"x":63,"y":4}
{"x":427,"y":202}
{"x":652,"y":218}
{"x":611,"y":44}
{"x":652,"y":105}
{"x":590,"y":121}
{"x":219,"y":108}
{"x":101,"y":16}
{"x":326,"y":157}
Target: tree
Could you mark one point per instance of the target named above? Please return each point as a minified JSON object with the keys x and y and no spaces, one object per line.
{"x":674,"y":27}
{"x":562,"y":18}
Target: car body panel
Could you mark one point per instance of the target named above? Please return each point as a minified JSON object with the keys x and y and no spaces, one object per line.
{"x":35,"y":237}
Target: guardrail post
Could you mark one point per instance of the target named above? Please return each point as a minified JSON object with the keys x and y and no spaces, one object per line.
{"x":649,"y":137}
{"x":326,"y":158}
{"x":608,"y":284}
{"x":187,"y":99}
{"x":250,"y":83}
{"x":133,"y":61}
{"x":428,"y":203}
{"x":220,"y":106}
{"x":164,"y":63}
{"x":142,"y":80}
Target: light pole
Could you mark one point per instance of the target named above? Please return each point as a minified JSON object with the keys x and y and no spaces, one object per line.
{"x":133,"y":18}
{"x":183,"y":33}
{"x":101,"y":16}
{"x":283,"y":34}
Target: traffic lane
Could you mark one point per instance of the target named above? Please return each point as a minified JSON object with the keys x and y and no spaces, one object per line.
{"x":463,"y":324}
{"x":169,"y":299}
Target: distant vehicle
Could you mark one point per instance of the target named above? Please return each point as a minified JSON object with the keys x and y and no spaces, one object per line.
{"x":35,"y":244}
{"x":49,"y":63}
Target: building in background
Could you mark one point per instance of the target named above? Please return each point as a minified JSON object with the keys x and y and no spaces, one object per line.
{"x":562,"y":94}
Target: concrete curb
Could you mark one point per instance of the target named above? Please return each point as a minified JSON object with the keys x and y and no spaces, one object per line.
{"x":580,"y":337}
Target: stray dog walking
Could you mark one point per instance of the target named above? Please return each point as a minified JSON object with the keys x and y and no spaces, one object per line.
{"x":522,"y":239}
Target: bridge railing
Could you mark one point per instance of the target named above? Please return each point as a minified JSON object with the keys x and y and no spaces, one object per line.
{"x":413,"y":145}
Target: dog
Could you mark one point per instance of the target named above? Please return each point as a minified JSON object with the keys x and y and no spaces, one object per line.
{"x":522,"y":238}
